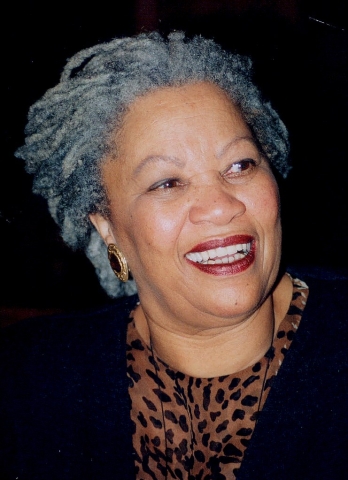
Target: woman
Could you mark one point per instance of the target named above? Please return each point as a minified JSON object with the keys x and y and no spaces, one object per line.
{"x":161,"y":152}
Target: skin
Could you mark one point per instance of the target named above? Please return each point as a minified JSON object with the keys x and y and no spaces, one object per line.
{"x":188,"y":171}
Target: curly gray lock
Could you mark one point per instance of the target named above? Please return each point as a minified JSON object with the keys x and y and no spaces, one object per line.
{"x":68,"y":133}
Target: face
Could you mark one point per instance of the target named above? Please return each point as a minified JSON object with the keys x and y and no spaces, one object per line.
{"x":194,"y":206}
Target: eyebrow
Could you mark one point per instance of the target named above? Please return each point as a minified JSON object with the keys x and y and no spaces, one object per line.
{"x":180,"y":163}
{"x":158,"y":158}
{"x":247,"y":138}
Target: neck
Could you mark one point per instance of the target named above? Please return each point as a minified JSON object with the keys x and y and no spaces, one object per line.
{"x":219,"y":350}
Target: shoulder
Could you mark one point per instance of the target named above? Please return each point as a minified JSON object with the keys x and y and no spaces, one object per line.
{"x":328,"y":290}
{"x":337,"y":277}
{"x":323,"y":331}
{"x":66,"y":337}
{"x":318,"y":355}
{"x":316,"y":365}
{"x":110,"y":315}
{"x":64,"y":387}
{"x":304,"y":420}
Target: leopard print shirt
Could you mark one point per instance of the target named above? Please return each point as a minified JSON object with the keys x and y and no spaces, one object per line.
{"x":199,"y":428}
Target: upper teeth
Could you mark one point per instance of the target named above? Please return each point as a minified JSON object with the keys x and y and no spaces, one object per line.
{"x":221,"y":254}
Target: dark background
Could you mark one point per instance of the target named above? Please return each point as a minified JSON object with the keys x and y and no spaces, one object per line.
{"x":300,"y":59}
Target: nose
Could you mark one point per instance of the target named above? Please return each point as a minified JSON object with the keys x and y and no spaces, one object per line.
{"x":215,"y":204}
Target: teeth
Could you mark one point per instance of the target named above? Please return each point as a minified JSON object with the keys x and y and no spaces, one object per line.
{"x":221,"y":254}
{"x":205,"y":255}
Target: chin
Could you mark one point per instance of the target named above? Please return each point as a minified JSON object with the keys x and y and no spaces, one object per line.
{"x":235,"y":295}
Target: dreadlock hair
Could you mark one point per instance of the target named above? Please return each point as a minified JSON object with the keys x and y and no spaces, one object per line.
{"x":69,"y":130}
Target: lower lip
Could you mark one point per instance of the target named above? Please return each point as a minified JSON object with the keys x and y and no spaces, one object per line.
{"x":225,"y":269}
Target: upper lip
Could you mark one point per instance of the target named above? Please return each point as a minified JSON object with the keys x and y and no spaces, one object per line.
{"x":221,"y":242}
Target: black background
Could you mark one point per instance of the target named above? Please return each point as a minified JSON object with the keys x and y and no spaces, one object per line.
{"x":300,"y":58}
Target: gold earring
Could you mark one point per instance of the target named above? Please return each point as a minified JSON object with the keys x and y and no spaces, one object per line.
{"x":118,"y":263}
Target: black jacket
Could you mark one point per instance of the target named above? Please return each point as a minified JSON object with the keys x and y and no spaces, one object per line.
{"x":64,"y":405}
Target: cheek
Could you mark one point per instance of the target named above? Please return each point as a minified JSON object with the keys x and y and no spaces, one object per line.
{"x":154,"y":227}
{"x":269,"y":210}
{"x":267,"y":203}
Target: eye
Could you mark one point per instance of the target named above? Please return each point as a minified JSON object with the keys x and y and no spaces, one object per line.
{"x":240,"y":168}
{"x":165,"y":184}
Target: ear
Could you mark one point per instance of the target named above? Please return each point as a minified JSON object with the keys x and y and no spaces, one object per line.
{"x":103,"y":227}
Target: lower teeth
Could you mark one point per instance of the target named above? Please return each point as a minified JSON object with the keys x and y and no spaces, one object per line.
{"x":218,"y":261}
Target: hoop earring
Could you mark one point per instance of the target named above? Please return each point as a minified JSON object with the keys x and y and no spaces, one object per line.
{"x":118,"y":263}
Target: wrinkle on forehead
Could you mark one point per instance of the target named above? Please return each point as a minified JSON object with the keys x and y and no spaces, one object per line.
{"x":158,"y":158}
{"x":151,"y":113}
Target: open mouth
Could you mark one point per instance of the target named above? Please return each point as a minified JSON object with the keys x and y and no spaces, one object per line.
{"x":227,"y":256}
{"x":220,"y":255}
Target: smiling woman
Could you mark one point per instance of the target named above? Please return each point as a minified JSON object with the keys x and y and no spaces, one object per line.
{"x":159,"y":155}
{"x":178,"y":150}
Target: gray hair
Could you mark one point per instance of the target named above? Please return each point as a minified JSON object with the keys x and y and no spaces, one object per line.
{"x":69,"y":129}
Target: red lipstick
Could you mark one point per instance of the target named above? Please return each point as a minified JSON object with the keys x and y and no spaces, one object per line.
{"x":225,"y":269}
{"x":222,"y":242}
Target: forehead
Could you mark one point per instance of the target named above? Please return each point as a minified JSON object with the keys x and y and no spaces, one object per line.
{"x":186,"y":95}
{"x":189,"y":125}
{"x":179,"y":107}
